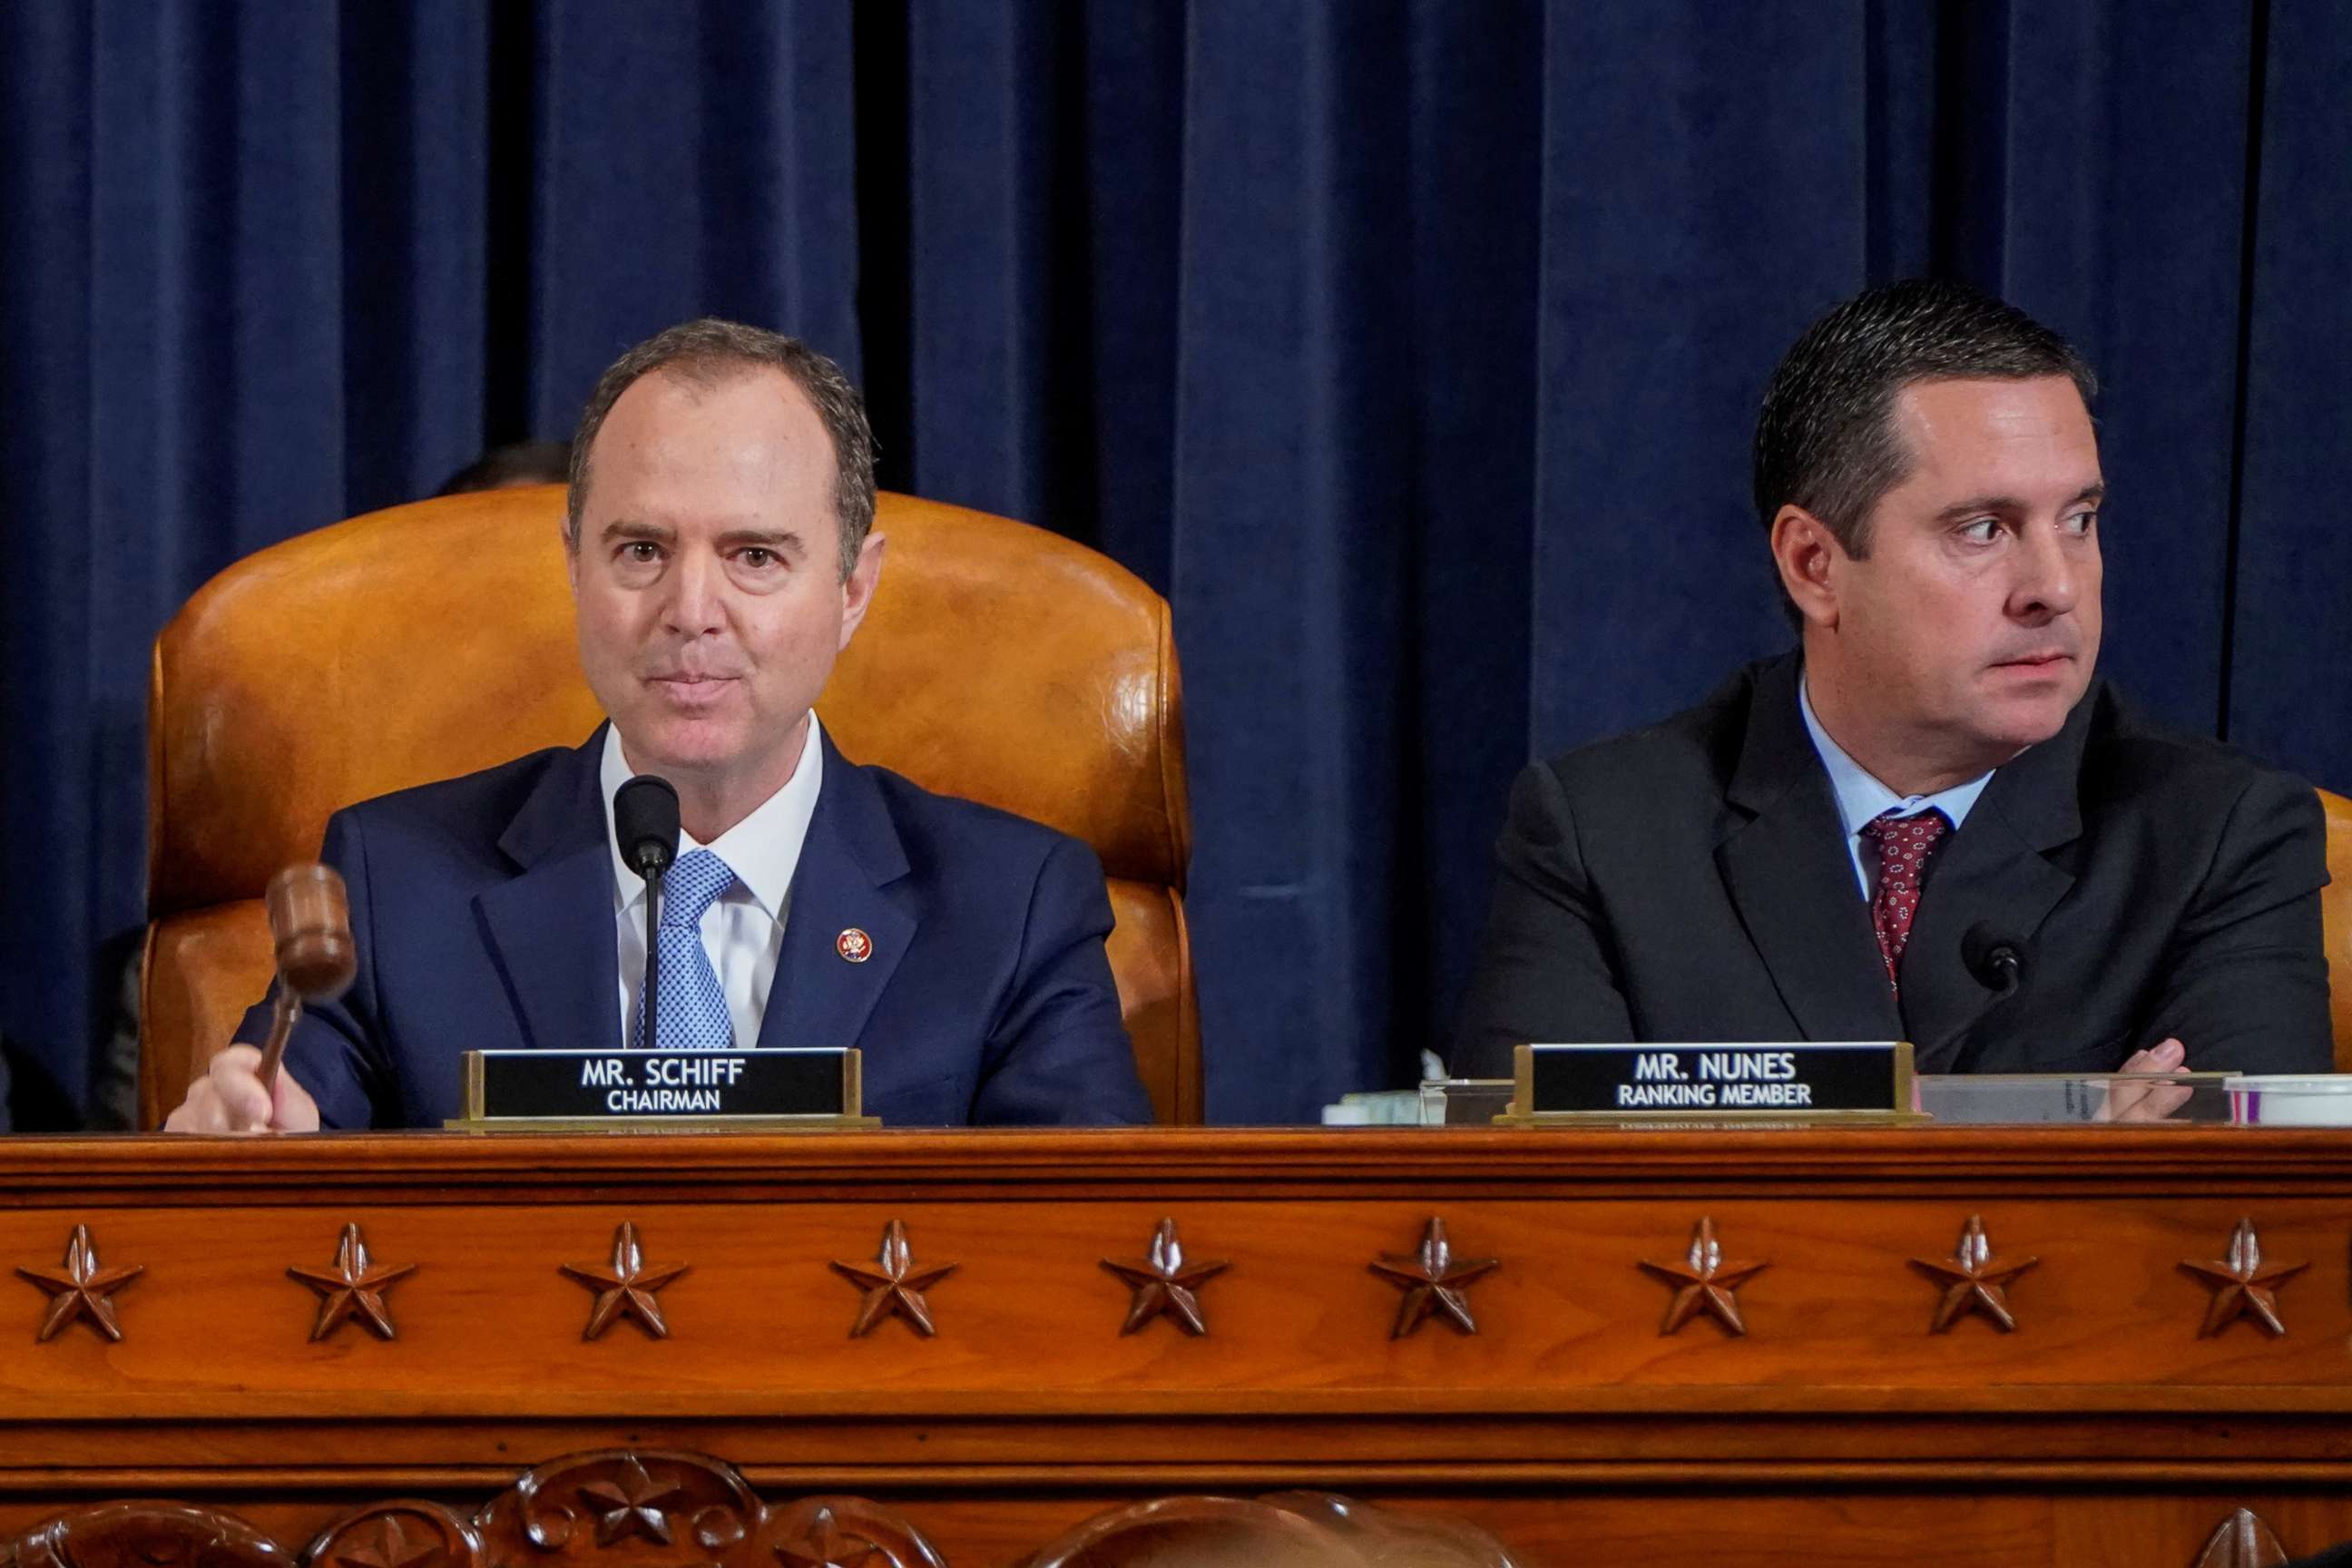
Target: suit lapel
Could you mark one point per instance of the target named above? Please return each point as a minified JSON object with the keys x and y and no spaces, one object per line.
{"x":1788,"y":873}
{"x":1992,"y":872}
{"x":550,"y":928}
{"x":850,"y":878}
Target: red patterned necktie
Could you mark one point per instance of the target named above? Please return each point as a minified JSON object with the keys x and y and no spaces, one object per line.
{"x":1906,"y":844}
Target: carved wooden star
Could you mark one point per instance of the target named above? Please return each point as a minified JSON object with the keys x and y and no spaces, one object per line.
{"x":1433,"y":1283}
{"x":1972,"y":1281}
{"x":1164,"y":1284}
{"x":388,"y":1544}
{"x":633,"y":1503}
{"x":826,"y":1545}
{"x":894,"y":1286}
{"x":80,"y":1289}
{"x":2243,"y":1286}
{"x":353,"y":1288}
{"x":626,"y":1289}
{"x":1706,"y":1282}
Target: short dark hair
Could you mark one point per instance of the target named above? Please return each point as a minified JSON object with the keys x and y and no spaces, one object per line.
{"x":1826,"y":440}
{"x":708,"y":353}
{"x":516,"y":463}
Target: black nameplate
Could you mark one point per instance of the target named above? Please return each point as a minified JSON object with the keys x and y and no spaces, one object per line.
{"x":597,"y":1085}
{"x":1806,"y":1079}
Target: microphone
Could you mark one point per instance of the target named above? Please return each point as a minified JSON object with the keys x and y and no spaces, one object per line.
{"x":309,"y":915}
{"x":1997,"y":960}
{"x":644,"y":825}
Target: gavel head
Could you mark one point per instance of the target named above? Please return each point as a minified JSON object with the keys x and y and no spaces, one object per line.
{"x":310,"y":919}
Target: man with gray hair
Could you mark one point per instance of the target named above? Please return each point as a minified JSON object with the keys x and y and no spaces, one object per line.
{"x":718,"y":539}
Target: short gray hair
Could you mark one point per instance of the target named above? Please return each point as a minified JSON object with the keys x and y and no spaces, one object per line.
{"x":708,"y":353}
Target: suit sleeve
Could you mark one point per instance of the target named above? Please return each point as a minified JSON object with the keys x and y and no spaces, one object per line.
{"x":2245,"y":988}
{"x":1545,"y":968}
{"x":336,"y":1052}
{"x":1059,"y":1052}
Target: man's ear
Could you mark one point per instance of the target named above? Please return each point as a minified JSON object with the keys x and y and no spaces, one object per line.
{"x":1807,"y":555}
{"x":857,"y":590}
{"x":571,"y":553}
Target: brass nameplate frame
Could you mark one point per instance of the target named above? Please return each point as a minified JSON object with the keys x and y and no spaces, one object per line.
{"x":786,"y":1090}
{"x":1842,"y":1083}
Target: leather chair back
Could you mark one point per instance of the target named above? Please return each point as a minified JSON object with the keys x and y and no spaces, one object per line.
{"x":999,"y":662}
{"x":2336,"y":919}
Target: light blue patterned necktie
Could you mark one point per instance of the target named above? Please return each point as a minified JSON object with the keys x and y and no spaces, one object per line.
{"x":693,"y":1009}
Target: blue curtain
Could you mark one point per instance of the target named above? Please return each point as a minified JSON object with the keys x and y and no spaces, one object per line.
{"x":1410,"y":347}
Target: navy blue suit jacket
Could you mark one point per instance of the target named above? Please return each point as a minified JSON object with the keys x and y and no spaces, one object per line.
{"x":482,"y":909}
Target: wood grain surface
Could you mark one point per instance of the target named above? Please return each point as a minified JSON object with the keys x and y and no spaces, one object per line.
{"x":1569,"y":1420}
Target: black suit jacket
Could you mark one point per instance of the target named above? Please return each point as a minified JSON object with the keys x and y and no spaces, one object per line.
{"x":1691,"y":882}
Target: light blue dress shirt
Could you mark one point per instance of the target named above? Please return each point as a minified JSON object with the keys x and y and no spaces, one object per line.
{"x":1861,"y":797}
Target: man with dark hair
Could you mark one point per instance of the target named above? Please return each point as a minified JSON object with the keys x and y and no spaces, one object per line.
{"x":1826,"y":848}
{"x":718,"y":539}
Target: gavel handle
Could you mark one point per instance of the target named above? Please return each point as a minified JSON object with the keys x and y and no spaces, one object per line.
{"x":273,"y":1049}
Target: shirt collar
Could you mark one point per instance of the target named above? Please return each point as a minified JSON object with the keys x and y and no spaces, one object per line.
{"x":1861,"y":797}
{"x":763,"y":850}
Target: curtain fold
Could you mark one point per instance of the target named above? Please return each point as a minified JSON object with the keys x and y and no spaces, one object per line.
{"x":1412,"y":348}
{"x":2291,"y":623}
{"x":1296,"y":462}
{"x":48,"y":725}
{"x":686,"y":160}
{"x":1702,"y":185}
{"x":265,"y":269}
{"x":2127,"y":208}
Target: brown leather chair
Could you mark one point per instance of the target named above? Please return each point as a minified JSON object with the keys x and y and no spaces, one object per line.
{"x":2336,"y":920}
{"x":1000,"y":662}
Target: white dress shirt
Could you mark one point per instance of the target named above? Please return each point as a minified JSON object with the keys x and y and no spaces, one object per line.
{"x":1861,"y":797}
{"x":743,"y":930}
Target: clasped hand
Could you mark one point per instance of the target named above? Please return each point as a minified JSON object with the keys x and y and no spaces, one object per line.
{"x":2147,"y":1101}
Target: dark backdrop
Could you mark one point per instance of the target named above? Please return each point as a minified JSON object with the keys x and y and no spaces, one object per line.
{"x":1410,"y":347}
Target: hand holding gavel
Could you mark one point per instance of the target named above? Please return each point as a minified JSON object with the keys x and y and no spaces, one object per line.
{"x":243,"y":1089}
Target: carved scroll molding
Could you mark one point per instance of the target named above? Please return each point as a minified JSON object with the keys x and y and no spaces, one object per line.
{"x":1294,"y":1530}
{"x":403,"y":1533}
{"x":613,"y":1507}
{"x":842,"y":1532}
{"x":575,"y":1508}
{"x":659,"y":1508}
{"x":146,"y":1535}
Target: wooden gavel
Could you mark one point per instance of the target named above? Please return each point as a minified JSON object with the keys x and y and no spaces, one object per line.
{"x":310,"y":921}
